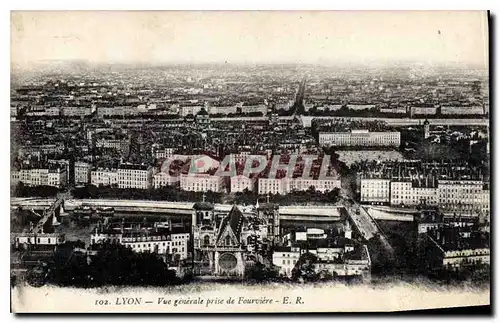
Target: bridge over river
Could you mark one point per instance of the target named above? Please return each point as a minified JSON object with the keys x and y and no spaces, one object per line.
{"x":311,"y":213}
{"x":391,"y":214}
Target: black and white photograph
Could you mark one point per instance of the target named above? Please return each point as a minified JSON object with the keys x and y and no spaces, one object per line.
{"x":249,"y":161}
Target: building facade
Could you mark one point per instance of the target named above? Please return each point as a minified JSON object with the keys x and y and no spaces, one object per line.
{"x":82,"y":173}
{"x":104,"y":177}
{"x":360,"y":138}
{"x":460,"y":258}
{"x":40,"y":176}
{"x":273,"y":186}
{"x":465,"y":195}
{"x":122,"y":145}
{"x":193,"y":110}
{"x":160,"y":153}
{"x":201,"y":182}
{"x":286,"y":185}
{"x":459,"y":195}
{"x":25,"y":240}
{"x":135,"y":176}
{"x":240,"y":183}
{"x":162,"y":179}
{"x":375,"y":190}
{"x":174,"y":245}
{"x":322,"y":185}
{"x":285,"y":259}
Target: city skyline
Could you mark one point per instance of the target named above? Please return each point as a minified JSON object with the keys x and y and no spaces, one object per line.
{"x":319,"y":37}
{"x":200,"y":160}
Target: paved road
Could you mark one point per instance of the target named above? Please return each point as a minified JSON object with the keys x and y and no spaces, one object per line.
{"x":370,"y":229}
{"x":389,"y":214}
{"x":364,"y":223}
{"x":362,"y":220}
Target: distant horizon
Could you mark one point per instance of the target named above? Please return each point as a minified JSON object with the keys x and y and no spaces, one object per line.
{"x":430,"y":38}
{"x":339,"y":64}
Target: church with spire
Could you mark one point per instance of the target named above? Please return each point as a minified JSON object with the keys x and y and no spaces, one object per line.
{"x":224,"y":244}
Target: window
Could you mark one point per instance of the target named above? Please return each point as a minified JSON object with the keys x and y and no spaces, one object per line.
{"x":206,"y":240}
{"x":228,"y":241}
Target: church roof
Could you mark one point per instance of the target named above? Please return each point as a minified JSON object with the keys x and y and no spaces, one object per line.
{"x":235,"y":220}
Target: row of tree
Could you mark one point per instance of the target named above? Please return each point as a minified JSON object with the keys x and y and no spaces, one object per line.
{"x":113,"y":264}
{"x":170,"y":193}
{"x":22,"y":190}
{"x":166,"y":193}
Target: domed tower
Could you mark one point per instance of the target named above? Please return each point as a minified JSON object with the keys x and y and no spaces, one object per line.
{"x":204,"y":230}
{"x":270,"y":213}
{"x":347,"y":230}
{"x":427,"y":128}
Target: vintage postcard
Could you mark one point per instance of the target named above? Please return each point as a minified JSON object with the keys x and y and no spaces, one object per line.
{"x":249,"y":162}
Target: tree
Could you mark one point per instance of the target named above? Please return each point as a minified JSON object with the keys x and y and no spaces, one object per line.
{"x":305,"y":268}
{"x":37,"y":276}
{"x":325,"y":275}
{"x":113,"y":264}
{"x":259,"y":272}
{"x":22,"y":190}
{"x":481,"y":274}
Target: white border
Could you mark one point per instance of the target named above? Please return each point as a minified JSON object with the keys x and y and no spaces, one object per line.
{"x":252,"y":5}
{"x":205,"y":5}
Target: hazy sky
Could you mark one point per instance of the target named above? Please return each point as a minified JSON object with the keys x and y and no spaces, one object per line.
{"x":252,"y":37}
